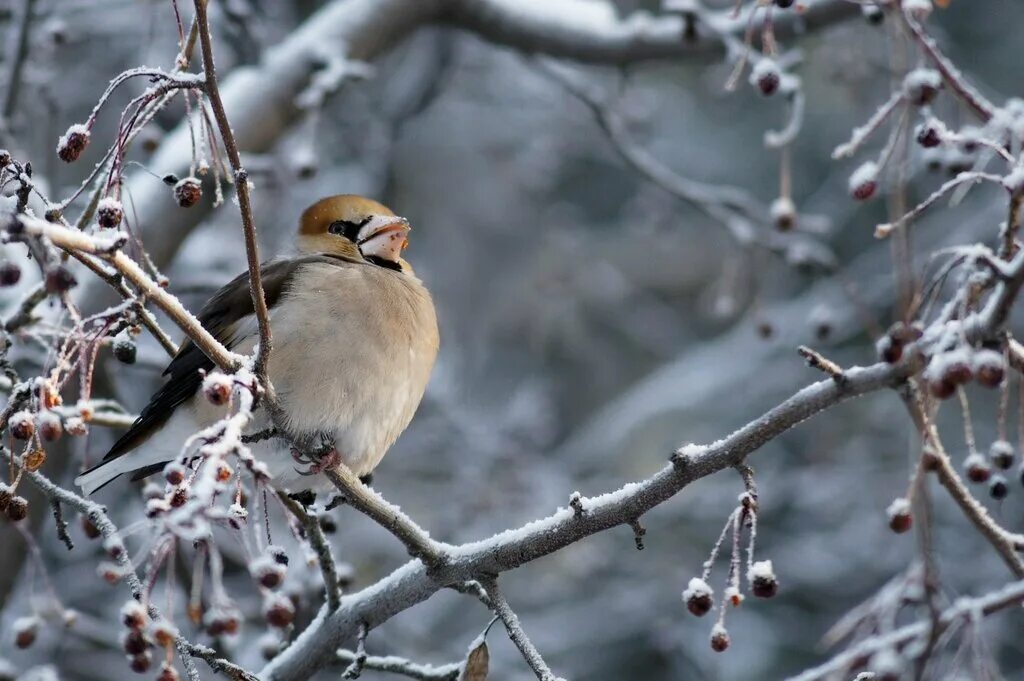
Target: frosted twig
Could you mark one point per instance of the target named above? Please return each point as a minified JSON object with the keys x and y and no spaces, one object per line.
{"x":403,"y":667}
{"x":355,"y":668}
{"x":861,"y":134}
{"x":515,"y":630}
{"x":885,"y":229}
{"x":315,"y":535}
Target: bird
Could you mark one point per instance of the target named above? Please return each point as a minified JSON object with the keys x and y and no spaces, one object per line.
{"x":355,"y":339}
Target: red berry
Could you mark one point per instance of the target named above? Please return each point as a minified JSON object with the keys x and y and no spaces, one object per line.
{"x":279,"y":611}
{"x":140,"y":663}
{"x":719,"y":639}
{"x":109,"y":212}
{"x":90,"y":530}
{"x":134,"y":642}
{"x":23,"y":425}
{"x":977,"y":469}
{"x":187,"y":192}
{"x":72,"y":143}
{"x":25,"y":631}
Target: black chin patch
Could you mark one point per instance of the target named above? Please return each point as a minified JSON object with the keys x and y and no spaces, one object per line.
{"x":384,"y":262}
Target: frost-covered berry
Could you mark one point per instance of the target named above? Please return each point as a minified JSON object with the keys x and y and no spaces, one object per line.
{"x":783,"y":212}
{"x":76,"y":426}
{"x":113,"y":546}
{"x":864,"y":181}
{"x":223,"y":472}
{"x":699,"y":597}
{"x":133,"y":615}
{"x":168,"y":673}
{"x":766,"y":76}
{"x":174,"y":473}
{"x":952,"y":367}
{"x":17,"y":509}
{"x":873,"y":14}
{"x":899,"y":516}
{"x":977,"y":468}
{"x":188,"y":191}
{"x":50,"y":427}
{"x":1001,"y":454}
{"x":217,"y":388}
{"x":989,"y":367}
{"x":763,"y":582}
{"x":25,"y":631}
{"x":22,"y":425}
{"x":10,"y":273}
{"x":140,"y":664}
{"x":889,"y":349}
{"x":928,"y":135}
{"x":278,"y":554}
{"x":5,"y":158}
{"x":919,"y":9}
{"x":59,"y":279}
{"x":179,"y":497}
{"x":269,"y":645}
{"x":89,"y":528}
{"x":267,"y":571}
{"x":221,"y":620}
{"x":719,"y":638}
{"x":278,"y":610}
{"x":156,"y":507}
{"x":164,"y":633}
{"x":109,"y":212}
{"x":921,"y":86}
{"x":134,"y":642}
{"x":125,"y":350}
{"x":72,"y":143}
{"x":997,"y":487}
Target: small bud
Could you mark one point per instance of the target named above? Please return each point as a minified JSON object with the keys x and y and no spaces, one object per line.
{"x":60,"y":280}
{"x":170,"y":179}
{"x":864,"y":181}
{"x":698,"y":596}
{"x":977,"y":468}
{"x":50,"y":428}
{"x":997,"y":487}
{"x":187,"y":192}
{"x":25,"y":631}
{"x":10,"y":273}
{"x":989,"y":368}
{"x":217,"y":388}
{"x":765,"y":329}
{"x":125,"y":350}
{"x":278,"y":611}
{"x":17,"y":509}
{"x":763,"y":582}
{"x":1001,"y":454}
{"x":898,"y":512}
{"x":140,"y":664}
{"x":109,"y":212}
{"x":72,"y":143}
{"x":22,"y":425}
{"x":766,"y":76}
{"x":719,"y":638}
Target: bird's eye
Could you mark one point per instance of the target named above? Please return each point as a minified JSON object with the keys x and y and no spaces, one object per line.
{"x":347,"y":228}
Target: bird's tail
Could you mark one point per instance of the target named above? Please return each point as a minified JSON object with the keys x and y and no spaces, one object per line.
{"x":99,"y":475}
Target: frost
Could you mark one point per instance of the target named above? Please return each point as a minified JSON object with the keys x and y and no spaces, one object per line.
{"x":866,"y":173}
{"x":899,"y":507}
{"x":697,"y":587}
{"x":920,"y":85}
{"x":762,"y":569}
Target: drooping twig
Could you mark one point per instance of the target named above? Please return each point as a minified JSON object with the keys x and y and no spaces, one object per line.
{"x":18,"y":51}
{"x":403,"y":667}
{"x":315,"y":535}
{"x":515,"y":630}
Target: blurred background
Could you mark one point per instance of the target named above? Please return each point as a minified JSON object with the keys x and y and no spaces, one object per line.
{"x":591,"y":323}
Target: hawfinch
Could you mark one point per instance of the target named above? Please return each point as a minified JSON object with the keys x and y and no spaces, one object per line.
{"x":355,"y":338}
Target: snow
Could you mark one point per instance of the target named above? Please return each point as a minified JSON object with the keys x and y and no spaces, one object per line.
{"x":899,"y":507}
{"x":866,"y":172}
{"x":762,"y":569}
{"x":920,"y":80}
{"x":697,"y":587}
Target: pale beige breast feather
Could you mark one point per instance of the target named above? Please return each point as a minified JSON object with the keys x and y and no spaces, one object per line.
{"x":354,"y":346}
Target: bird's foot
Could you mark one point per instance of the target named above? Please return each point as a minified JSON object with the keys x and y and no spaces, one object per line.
{"x":314,"y":466}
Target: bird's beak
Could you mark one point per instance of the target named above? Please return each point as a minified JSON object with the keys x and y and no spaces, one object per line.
{"x":384,"y":236}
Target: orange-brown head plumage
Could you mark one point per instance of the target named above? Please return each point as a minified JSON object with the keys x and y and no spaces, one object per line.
{"x":354,"y":226}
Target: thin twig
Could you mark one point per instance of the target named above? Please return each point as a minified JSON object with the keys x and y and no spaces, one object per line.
{"x":818,"y":361}
{"x":315,"y":535}
{"x":515,"y":630}
{"x":399,"y":665}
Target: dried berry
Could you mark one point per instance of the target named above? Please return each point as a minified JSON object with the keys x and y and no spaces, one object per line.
{"x":187,"y":192}
{"x":766,"y":76}
{"x":267,"y":572}
{"x":134,"y":642}
{"x":763,"y":582}
{"x":140,"y":664}
{"x":864,"y":181}
{"x":997,"y":487}
{"x":179,"y":497}
{"x":719,"y":638}
{"x":164,"y":633}
{"x":133,"y":615}
{"x":900,"y":519}
{"x":889,"y":349}
{"x":34,"y":459}
{"x":113,"y":546}
{"x":989,"y":368}
{"x":1001,"y":454}
{"x":278,"y":611}
{"x":174,"y":473}
{"x":125,"y":350}
{"x":23,"y":425}
{"x":928,"y":135}
{"x":60,"y":280}
{"x":929,"y":459}
{"x":217,"y":388}
{"x":783,"y":213}
{"x":977,"y":468}
{"x":10,"y":273}
{"x":168,"y":673}
{"x":17,"y":508}
{"x":941,"y":389}
{"x":921,"y":86}
{"x":221,"y":621}
{"x":89,"y":528}
{"x":699,"y":597}
{"x":327,"y":524}
{"x":50,"y":427}
{"x":72,"y":143}
{"x":5,"y":158}
{"x":25,"y":631}
{"x":109,"y":212}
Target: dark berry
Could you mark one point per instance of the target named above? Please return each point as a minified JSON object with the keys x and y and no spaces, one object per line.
{"x":10,"y":273}
{"x":719,"y":639}
{"x":187,"y":192}
{"x":125,"y":350}
{"x":17,"y":508}
{"x":997,"y":487}
{"x":60,"y":280}
{"x":72,"y":143}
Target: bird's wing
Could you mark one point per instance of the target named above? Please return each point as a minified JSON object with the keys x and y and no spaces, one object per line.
{"x":224,"y":315}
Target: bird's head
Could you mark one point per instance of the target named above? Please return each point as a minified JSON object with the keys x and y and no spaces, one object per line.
{"x":354,"y":226}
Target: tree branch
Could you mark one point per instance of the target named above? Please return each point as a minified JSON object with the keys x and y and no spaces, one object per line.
{"x":515,"y":630}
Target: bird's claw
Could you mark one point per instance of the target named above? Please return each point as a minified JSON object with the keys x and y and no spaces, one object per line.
{"x":325,"y":461}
